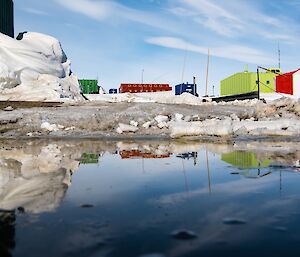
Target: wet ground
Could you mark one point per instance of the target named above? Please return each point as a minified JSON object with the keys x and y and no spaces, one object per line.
{"x":149,"y":199}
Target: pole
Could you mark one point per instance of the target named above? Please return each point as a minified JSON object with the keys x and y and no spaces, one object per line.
{"x":258,"y":83}
{"x":142,"y":76}
{"x":195,"y":86}
{"x":184,"y":64}
{"x":208,"y":171}
{"x":279,"y":56}
{"x":183,"y":70}
{"x":206,"y":91}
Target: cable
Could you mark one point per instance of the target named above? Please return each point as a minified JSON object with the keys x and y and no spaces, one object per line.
{"x":271,"y":88}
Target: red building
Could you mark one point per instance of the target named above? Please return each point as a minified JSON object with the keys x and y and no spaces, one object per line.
{"x":135,"y":154}
{"x":143,"y":88}
{"x":289,"y":83}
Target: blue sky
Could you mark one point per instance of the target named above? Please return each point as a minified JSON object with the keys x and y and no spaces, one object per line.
{"x":115,"y":40}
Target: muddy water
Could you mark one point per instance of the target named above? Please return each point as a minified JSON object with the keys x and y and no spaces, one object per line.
{"x":118,"y":199}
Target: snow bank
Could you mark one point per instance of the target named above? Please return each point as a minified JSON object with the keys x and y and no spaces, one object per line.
{"x":155,"y":97}
{"x":229,"y":127}
{"x":35,"y":68}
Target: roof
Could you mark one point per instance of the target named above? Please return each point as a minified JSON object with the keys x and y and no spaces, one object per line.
{"x":289,"y":73}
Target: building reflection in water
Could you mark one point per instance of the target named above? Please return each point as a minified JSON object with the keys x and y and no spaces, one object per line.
{"x":250,"y":166}
{"x":7,"y":233}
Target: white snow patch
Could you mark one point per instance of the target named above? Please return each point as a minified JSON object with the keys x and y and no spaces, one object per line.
{"x":154,"y":97}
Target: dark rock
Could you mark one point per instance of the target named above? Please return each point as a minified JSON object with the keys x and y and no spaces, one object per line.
{"x":184,"y":234}
{"x":8,"y":108}
{"x":87,"y":206}
{"x":152,"y":255}
{"x":233,"y":221}
{"x":21,"y":209}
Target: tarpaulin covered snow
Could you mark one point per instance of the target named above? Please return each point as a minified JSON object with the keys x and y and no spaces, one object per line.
{"x":35,"y":68}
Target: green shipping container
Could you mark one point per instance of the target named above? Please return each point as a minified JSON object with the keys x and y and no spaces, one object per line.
{"x":89,"y":86}
{"x":7,"y":17}
{"x":246,"y":82}
{"x":244,"y":160}
{"x":89,"y":158}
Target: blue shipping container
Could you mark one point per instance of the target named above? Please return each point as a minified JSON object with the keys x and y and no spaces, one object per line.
{"x":113,"y":91}
{"x":186,"y":88}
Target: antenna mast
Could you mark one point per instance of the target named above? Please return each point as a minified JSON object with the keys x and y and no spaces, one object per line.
{"x":279,"y":57}
{"x":184,"y":64}
{"x":206,"y":91}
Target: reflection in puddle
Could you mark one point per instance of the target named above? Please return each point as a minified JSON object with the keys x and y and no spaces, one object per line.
{"x":136,"y":154}
{"x":94,"y":198}
{"x":244,"y":160}
{"x":34,"y":178}
{"x":7,"y":235}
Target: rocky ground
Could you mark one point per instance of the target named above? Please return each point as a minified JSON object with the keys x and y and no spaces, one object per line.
{"x":249,"y":119}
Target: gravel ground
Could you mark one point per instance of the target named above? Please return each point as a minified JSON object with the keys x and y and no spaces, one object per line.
{"x":102,"y":119}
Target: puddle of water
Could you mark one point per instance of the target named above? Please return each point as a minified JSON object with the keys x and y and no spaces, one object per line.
{"x":93,"y":198}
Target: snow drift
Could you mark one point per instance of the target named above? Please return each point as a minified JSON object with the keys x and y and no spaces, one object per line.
{"x":35,"y":68}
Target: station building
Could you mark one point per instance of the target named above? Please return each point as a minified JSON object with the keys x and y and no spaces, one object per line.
{"x":289,"y":83}
{"x":7,"y":17}
{"x":246,"y":82}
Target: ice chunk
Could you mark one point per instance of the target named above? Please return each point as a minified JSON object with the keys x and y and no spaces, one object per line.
{"x":207,"y":127}
{"x":126,"y":128}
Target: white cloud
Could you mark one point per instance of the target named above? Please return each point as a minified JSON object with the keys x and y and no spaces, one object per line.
{"x":35,"y":11}
{"x":233,"y":52}
{"x":95,"y":9}
{"x":230,"y":19}
{"x":109,"y":9}
{"x":238,"y":18}
{"x":214,"y":17}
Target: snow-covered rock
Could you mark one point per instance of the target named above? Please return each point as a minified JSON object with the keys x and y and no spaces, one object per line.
{"x":187,"y":118}
{"x":178,"y":117}
{"x":161,"y":118}
{"x":126,"y":128}
{"x":35,"y":68}
{"x":119,"y":130}
{"x":51,"y":127}
{"x":162,"y":125}
{"x":134,"y":123}
{"x":147,"y":124}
